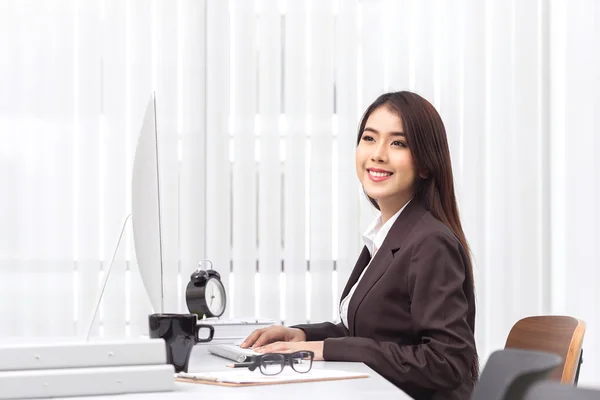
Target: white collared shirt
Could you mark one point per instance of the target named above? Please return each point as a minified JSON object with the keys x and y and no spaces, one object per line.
{"x":373,"y":238}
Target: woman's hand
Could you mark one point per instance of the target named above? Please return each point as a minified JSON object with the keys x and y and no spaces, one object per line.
{"x":291,"y":347}
{"x":261,"y":337}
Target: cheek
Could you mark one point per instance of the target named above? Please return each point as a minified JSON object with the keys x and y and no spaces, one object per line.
{"x":406,"y":166}
{"x":359,"y":160}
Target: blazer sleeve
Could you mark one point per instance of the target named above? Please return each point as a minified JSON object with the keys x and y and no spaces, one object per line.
{"x":440,"y":314}
{"x":322,"y":331}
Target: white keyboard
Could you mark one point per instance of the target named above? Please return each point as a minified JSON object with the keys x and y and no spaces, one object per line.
{"x":232,"y":352}
{"x":236,"y":348}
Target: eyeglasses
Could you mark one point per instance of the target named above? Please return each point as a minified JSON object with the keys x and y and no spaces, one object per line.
{"x":273,"y":363}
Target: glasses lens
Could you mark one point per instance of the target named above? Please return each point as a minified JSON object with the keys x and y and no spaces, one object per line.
{"x":271,"y":364}
{"x":302,"y":361}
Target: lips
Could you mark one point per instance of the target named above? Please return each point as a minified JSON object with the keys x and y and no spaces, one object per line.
{"x":378,"y":175}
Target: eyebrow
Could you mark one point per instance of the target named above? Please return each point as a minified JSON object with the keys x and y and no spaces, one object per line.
{"x":367,"y":129}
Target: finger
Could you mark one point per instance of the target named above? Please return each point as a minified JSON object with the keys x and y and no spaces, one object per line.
{"x":277,"y":347}
{"x":268,"y":336}
{"x":251,"y":339}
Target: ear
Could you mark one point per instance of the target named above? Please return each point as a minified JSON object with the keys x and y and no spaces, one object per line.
{"x":424,"y":174}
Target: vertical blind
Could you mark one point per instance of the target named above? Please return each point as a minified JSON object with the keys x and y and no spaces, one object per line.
{"x":258,"y":106}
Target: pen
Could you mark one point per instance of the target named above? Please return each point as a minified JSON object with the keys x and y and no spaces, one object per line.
{"x":239,"y":365}
{"x":198,"y":377}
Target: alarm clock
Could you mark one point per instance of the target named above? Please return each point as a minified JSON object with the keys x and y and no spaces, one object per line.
{"x":205,"y":293}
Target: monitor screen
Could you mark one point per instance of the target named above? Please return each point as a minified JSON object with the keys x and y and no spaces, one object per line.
{"x":145,"y":209}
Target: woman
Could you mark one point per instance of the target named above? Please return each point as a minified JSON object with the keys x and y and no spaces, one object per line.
{"x":408,"y":309}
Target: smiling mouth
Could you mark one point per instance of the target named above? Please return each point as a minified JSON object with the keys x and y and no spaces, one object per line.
{"x":378,"y":174}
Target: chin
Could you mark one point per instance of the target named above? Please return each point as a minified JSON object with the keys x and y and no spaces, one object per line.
{"x":378,"y":196}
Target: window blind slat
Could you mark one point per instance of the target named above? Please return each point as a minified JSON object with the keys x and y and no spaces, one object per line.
{"x":527,"y":142}
{"x":17,"y":271}
{"x":395,"y":39}
{"x":56,"y":277}
{"x":11,"y":286}
{"x":449,"y":65}
{"x":594,"y":43}
{"x":497,"y":126}
{"x":87,"y":164}
{"x":372,"y":73}
{"x":320,"y":111}
{"x":244,"y":170}
{"x":48,"y":180}
{"x":543,"y":115}
{"x":8,"y":71}
{"x":558,"y":170}
{"x":348,"y":187}
{"x":33,"y":159}
{"x":581,"y":190}
{"x":59,"y":96}
{"x":422,"y":36}
{"x":12,"y":211}
{"x":166,"y":56}
{"x":218,"y":165}
{"x":269,"y":197}
{"x":31,"y":81}
{"x":192,"y":118}
{"x":294,"y":203}
{"x":140,"y":89}
{"x":112,"y":161}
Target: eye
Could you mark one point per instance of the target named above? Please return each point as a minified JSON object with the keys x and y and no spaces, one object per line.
{"x":368,"y":138}
{"x":399,"y":143}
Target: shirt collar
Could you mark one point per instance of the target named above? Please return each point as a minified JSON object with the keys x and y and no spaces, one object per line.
{"x":376,"y":232}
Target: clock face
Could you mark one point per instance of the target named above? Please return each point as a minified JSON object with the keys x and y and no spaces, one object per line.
{"x":215,"y":297}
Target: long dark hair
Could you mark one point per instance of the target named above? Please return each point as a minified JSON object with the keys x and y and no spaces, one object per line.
{"x":426,"y":137}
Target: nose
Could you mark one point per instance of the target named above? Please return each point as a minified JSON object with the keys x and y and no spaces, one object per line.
{"x":379,"y":153}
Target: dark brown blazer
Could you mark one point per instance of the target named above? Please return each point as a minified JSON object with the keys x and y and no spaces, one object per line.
{"x":412,"y":315}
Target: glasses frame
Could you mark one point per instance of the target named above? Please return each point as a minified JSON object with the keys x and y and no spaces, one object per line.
{"x":288,"y":358}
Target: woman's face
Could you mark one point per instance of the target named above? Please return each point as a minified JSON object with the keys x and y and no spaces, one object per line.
{"x":384,"y":163}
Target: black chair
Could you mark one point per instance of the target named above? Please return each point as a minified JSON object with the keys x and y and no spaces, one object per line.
{"x":508,"y":373}
{"x":549,"y":390}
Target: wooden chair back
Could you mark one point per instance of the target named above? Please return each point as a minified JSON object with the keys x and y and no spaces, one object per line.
{"x":562,"y":335}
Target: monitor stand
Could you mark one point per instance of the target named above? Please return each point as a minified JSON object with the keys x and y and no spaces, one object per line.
{"x":90,"y":324}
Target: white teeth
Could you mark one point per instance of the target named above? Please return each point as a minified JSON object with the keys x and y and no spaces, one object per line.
{"x":380,"y":174}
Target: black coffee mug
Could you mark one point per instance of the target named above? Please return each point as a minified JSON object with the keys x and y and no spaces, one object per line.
{"x":180,"y":333}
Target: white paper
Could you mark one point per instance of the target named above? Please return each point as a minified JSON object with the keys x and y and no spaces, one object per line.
{"x":244,"y":375}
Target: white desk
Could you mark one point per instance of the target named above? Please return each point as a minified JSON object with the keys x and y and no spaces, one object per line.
{"x":373,"y":387}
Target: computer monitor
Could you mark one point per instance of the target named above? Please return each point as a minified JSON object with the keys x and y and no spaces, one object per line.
{"x":146,"y":216}
{"x":146,"y":210}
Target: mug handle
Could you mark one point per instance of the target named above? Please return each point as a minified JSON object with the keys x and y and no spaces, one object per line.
{"x":197,"y":333}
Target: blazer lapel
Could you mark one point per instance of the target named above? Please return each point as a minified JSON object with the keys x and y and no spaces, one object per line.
{"x":361,"y":263}
{"x":382,"y":260}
